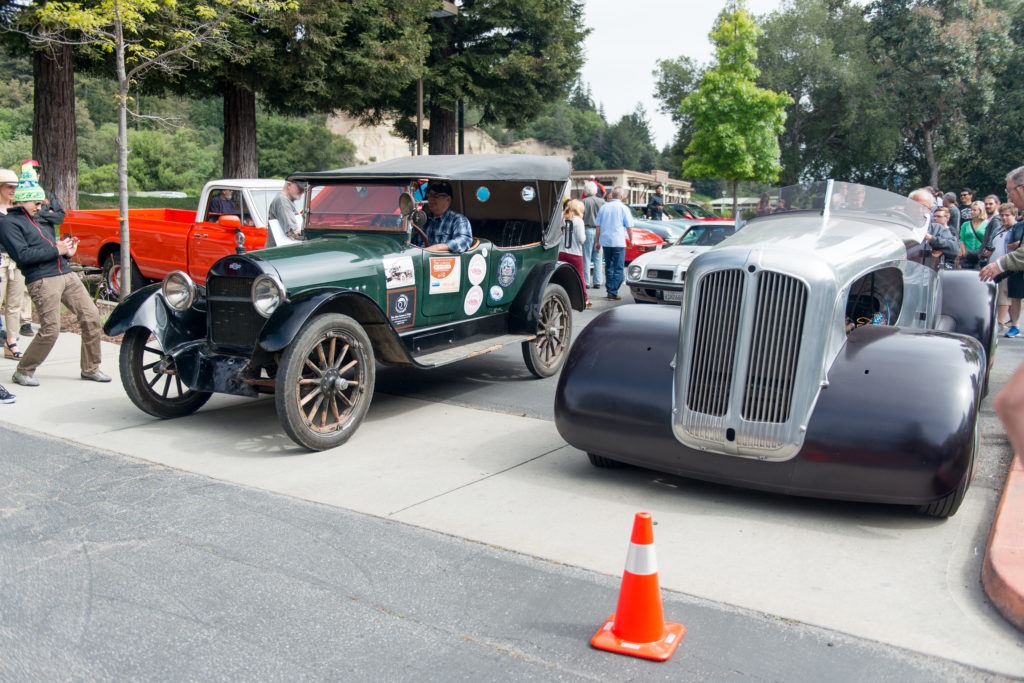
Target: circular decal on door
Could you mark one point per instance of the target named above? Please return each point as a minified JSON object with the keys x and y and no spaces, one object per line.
{"x":474,"y":297}
{"x":507,"y":270}
{"x":482,"y":194}
{"x":497,"y":293}
{"x":529,"y":193}
{"x":477,"y":269}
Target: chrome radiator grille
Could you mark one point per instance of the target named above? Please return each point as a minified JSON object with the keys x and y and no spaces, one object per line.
{"x":232,"y":319}
{"x":744,"y":358}
{"x":775,"y":348}
{"x":716,"y":327}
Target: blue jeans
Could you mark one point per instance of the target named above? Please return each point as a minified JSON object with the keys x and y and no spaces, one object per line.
{"x":591,"y":257}
{"x":614,"y":268}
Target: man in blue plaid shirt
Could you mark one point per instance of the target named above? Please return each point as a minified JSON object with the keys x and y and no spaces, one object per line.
{"x":447,"y":231}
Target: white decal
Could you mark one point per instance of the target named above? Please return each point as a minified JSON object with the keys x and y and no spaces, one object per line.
{"x":477,"y":270}
{"x":474,"y":297}
{"x":398,"y":271}
{"x":445,"y":274}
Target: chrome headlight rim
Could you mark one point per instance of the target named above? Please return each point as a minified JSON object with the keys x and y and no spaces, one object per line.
{"x":178,"y":290}
{"x":268,"y":293}
{"x":634,"y":272}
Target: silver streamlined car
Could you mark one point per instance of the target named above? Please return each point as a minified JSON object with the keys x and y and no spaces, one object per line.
{"x":660,"y":276}
{"x":815,"y":354}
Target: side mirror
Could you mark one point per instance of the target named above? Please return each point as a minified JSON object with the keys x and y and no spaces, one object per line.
{"x":230,"y":221}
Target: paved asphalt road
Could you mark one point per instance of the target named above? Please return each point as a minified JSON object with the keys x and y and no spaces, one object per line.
{"x":115,"y":569}
{"x":175,"y":556}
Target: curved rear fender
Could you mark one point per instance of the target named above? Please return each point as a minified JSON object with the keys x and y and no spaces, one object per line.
{"x":970,"y":304}
{"x":286,"y":322}
{"x":147,"y":308}
{"x":525,"y":308}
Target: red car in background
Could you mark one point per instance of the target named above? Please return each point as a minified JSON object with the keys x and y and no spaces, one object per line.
{"x":643,"y":242}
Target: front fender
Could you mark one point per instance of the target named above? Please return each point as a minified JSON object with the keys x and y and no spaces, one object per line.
{"x":146,"y":307}
{"x":525,"y":309}
{"x":286,"y":322}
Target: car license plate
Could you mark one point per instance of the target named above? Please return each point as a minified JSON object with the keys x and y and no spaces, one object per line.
{"x":669,"y":295}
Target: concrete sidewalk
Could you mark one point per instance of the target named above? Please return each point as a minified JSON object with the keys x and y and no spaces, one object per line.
{"x":511,"y":482}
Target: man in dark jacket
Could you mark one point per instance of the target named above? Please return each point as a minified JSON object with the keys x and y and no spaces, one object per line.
{"x":43,"y":260}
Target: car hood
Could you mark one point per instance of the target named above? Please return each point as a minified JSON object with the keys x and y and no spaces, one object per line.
{"x":670,"y":257}
{"x":331,"y":260}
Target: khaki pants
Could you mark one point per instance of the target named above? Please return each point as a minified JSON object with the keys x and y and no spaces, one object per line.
{"x":12,"y":291}
{"x":47,"y":295}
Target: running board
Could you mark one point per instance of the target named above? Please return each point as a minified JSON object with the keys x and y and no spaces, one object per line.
{"x":463,"y":351}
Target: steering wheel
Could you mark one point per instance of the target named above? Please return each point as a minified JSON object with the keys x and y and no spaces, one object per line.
{"x":426,"y":240}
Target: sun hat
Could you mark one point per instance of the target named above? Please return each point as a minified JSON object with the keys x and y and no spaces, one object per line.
{"x":8,"y":177}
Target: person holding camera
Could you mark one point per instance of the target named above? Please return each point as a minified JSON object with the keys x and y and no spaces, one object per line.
{"x":44,"y":261}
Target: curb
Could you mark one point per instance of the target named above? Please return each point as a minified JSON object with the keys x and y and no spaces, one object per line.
{"x":1002,"y":572}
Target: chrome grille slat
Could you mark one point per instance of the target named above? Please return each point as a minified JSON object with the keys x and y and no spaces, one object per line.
{"x":715,"y":335}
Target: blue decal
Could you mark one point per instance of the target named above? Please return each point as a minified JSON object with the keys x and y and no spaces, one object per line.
{"x":507,"y":270}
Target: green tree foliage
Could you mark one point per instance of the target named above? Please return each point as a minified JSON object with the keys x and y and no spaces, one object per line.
{"x":937,"y":61}
{"x":840,"y":125}
{"x":507,"y":58}
{"x":736,"y":123}
{"x":289,"y":144}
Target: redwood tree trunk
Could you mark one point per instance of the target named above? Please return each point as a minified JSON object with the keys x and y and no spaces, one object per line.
{"x":240,"y":158}
{"x":55,"y":140}
{"x":442,"y":131}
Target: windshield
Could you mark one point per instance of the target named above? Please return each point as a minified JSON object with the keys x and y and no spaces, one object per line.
{"x":355,"y":207}
{"x":704,"y":235}
{"x":835,"y":198}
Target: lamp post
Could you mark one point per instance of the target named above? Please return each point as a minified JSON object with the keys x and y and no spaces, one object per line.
{"x":442,"y":10}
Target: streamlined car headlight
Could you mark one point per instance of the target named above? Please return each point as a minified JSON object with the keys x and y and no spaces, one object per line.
{"x":267,"y":295}
{"x":179,"y":291}
{"x":634,"y":272}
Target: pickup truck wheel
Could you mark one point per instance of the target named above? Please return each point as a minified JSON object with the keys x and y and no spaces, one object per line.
{"x":151,"y":380}
{"x":325,"y":382}
{"x":546,"y":353}
{"x":112,"y":276}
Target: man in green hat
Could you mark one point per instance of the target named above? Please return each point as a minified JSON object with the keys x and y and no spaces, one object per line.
{"x":44,"y":261}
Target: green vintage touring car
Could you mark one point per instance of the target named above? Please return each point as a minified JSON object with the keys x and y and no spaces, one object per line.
{"x":308,"y":322}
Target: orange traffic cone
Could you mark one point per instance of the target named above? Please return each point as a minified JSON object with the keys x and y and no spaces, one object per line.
{"x":638,"y":627}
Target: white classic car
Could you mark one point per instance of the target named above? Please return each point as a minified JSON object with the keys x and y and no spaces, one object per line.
{"x":659,"y":277}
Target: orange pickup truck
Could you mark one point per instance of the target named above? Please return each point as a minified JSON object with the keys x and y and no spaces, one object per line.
{"x":165,"y":240}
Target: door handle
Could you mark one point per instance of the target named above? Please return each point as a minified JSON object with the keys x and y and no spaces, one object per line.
{"x":199,"y":234}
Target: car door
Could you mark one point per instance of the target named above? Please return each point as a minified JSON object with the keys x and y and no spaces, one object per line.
{"x":210,"y":240}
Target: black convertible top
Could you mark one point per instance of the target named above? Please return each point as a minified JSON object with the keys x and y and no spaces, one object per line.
{"x":453,"y":167}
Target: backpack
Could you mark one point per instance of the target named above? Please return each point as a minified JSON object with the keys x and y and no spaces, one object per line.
{"x":567,"y":233}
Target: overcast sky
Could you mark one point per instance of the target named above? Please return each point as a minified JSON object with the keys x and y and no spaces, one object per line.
{"x":627,"y":40}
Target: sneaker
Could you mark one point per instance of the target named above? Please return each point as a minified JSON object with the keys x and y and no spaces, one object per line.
{"x":6,"y":396}
{"x":96,"y":376}
{"x":1012,"y":332}
{"x":614,"y":297}
{"x":26,"y":330}
{"x":24,"y":380}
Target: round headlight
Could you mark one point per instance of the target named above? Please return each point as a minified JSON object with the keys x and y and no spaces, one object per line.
{"x":634,"y":272}
{"x":267,"y":295}
{"x":179,"y":291}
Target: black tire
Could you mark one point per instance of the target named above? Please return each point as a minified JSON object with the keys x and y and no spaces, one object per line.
{"x":545,"y":355}
{"x":150,"y":379}
{"x":603,"y":462}
{"x":110,"y":286}
{"x":325,"y":382}
{"x":947,"y":506}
